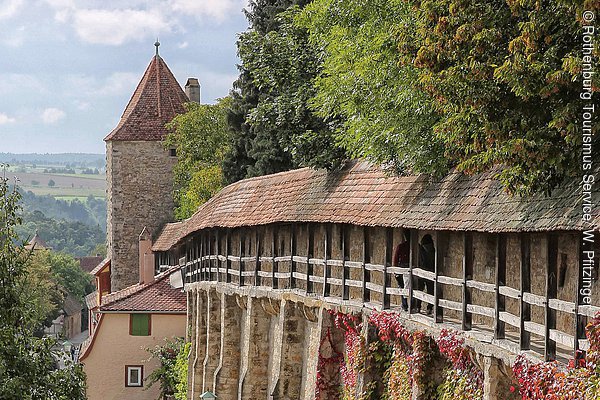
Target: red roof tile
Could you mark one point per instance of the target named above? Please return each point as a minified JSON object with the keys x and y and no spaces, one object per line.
{"x":156,"y":100}
{"x":158,"y":296}
{"x":363,"y":194}
{"x":89,"y":263}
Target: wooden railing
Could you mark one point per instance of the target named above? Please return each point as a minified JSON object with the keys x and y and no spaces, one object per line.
{"x":209,"y":257}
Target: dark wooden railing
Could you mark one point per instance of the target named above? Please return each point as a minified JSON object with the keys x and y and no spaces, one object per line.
{"x":209,"y":257}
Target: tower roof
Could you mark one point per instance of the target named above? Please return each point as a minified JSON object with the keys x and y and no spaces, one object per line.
{"x":36,"y":243}
{"x":156,"y":100}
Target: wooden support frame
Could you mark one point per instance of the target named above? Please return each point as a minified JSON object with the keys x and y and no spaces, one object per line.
{"x":525,"y":267}
{"x":551,"y":293}
{"x":310,"y":236}
{"x":275,"y":266}
{"x":218,"y":252}
{"x":257,"y":251}
{"x":412,"y":260}
{"x":209,"y":262}
{"x":201,"y":257}
{"x":366,"y":258}
{"x":500,"y":305}
{"x":292,"y":252}
{"x":579,"y":319}
{"x":389,"y":254}
{"x":440,"y":249}
{"x":467,"y":317}
{"x":241,"y":264}
{"x":227,"y":253}
{"x":345,"y":257}
{"x":326,"y":266}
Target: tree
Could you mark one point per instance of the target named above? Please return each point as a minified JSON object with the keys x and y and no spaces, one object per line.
{"x":27,"y":364}
{"x":385,"y":117}
{"x":480,"y":86}
{"x":51,"y":183}
{"x":273,"y":128}
{"x":172,"y":372}
{"x":201,"y":138}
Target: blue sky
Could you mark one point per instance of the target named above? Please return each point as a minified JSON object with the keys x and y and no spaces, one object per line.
{"x":68,"y":68}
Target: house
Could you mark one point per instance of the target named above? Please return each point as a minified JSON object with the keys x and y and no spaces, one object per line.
{"x":37,"y":243}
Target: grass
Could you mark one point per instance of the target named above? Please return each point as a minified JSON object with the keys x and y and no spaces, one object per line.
{"x":82,"y":199}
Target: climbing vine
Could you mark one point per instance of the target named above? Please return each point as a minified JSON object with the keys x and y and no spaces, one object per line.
{"x":355,"y":356}
{"x":555,"y":381}
{"x":328,"y":362}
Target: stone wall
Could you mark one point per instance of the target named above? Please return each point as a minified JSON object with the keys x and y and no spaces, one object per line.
{"x":139,"y":193}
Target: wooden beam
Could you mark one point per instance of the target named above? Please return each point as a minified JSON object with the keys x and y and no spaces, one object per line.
{"x":209,"y":253}
{"x":227,"y":251}
{"x":326,"y":267}
{"x":524,"y":335}
{"x":309,"y":254}
{"x":499,"y":325}
{"x":275,"y":265}
{"x":241,"y":263}
{"x":389,"y":254}
{"x":366,"y":258}
{"x":551,"y":293}
{"x":292,"y":253}
{"x":412,"y":261}
{"x":345,"y":257}
{"x":467,"y":317}
{"x":580,"y":319}
{"x":440,"y":243}
{"x":202,"y":270}
{"x":257,"y":244}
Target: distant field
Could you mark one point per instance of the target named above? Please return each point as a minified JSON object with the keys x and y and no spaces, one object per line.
{"x":66,"y":185}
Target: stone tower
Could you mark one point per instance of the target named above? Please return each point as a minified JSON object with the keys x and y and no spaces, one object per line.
{"x":139,"y":169}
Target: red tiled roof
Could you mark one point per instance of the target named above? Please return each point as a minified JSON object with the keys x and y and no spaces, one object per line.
{"x":158,"y":296}
{"x":37,"y":243}
{"x":363,"y":194}
{"x":89,"y":263}
{"x":156,"y":100}
{"x":101,"y":266}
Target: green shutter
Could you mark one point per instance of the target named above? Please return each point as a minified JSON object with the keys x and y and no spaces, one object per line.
{"x":140,"y":324}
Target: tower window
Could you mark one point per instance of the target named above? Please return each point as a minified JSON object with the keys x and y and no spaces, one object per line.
{"x":173,"y":152}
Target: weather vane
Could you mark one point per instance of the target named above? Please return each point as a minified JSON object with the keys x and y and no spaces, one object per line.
{"x":157,"y":44}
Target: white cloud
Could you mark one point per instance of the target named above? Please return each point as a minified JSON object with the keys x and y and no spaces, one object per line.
{"x":5,"y":119}
{"x":52,"y":115}
{"x":116,"y":27}
{"x":183,"y":45}
{"x":19,"y":83}
{"x":82,"y":105}
{"x":9,"y":8}
{"x":218,"y":9}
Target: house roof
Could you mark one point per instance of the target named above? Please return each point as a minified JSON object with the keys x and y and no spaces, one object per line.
{"x":158,"y":297}
{"x":156,"y":100}
{"x":71,"y":305}
{"x":37,"y":243}
{"x":89,"y":263}
{"x":363,"y":194}
{"x":100,"y":267}
{"x":91,"y":300}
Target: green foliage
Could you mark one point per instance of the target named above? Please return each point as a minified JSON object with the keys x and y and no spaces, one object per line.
{"x":181,"y":372}
{"x":171,"y":373}
{"x":27,"y":364}
{"x":273,"y":127}
{"x":75,"y":238}
{"x":201,"y":138}
{"x":66,"y":272}
{"x":386,"y":118}
{"x":505,"y":77}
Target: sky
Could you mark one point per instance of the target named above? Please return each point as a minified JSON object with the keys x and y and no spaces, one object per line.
{"x":69,"y":67}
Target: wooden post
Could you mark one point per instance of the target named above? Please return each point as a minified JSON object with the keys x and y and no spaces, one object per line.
{"x":326,"y":267}
{"x":467,"y":317}
{"x":257,"y":244}
{"x":580,"y":320}
{"x":551,"y":293}
{"x":227,"y":251}
{"x":201,"y":257}
{"x":275,"y":267}
{"x":293,"y":253}
{"x":241,"y":264}
{"x":366,"y":257}
{"x":524,"y":336}
{"x":209,"y":253}
{"x":345,"y":257}
{"x":499,"y":325}
{"x":412,"y":260}
{"x":218,"y":253}
{"x":389,"y":254}
{"x":309,"y":255}
{"x":440,"y":242}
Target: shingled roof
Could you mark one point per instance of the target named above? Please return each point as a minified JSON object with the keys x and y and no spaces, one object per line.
{"x":363,"y":194}
{"x":156,"y":100}
{"x":157,"y":296}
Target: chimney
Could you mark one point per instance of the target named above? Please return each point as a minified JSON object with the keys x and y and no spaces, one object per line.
{"x":192,"y":90}
{"x":146,"y":257}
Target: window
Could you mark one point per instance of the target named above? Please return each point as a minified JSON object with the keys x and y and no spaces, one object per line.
{"x":134,"y":375}
{"x":139,"y":324}
{"x":173,"y":152}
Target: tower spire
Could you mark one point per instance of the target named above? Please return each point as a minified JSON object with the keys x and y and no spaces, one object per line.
{"x":157,"y":44}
